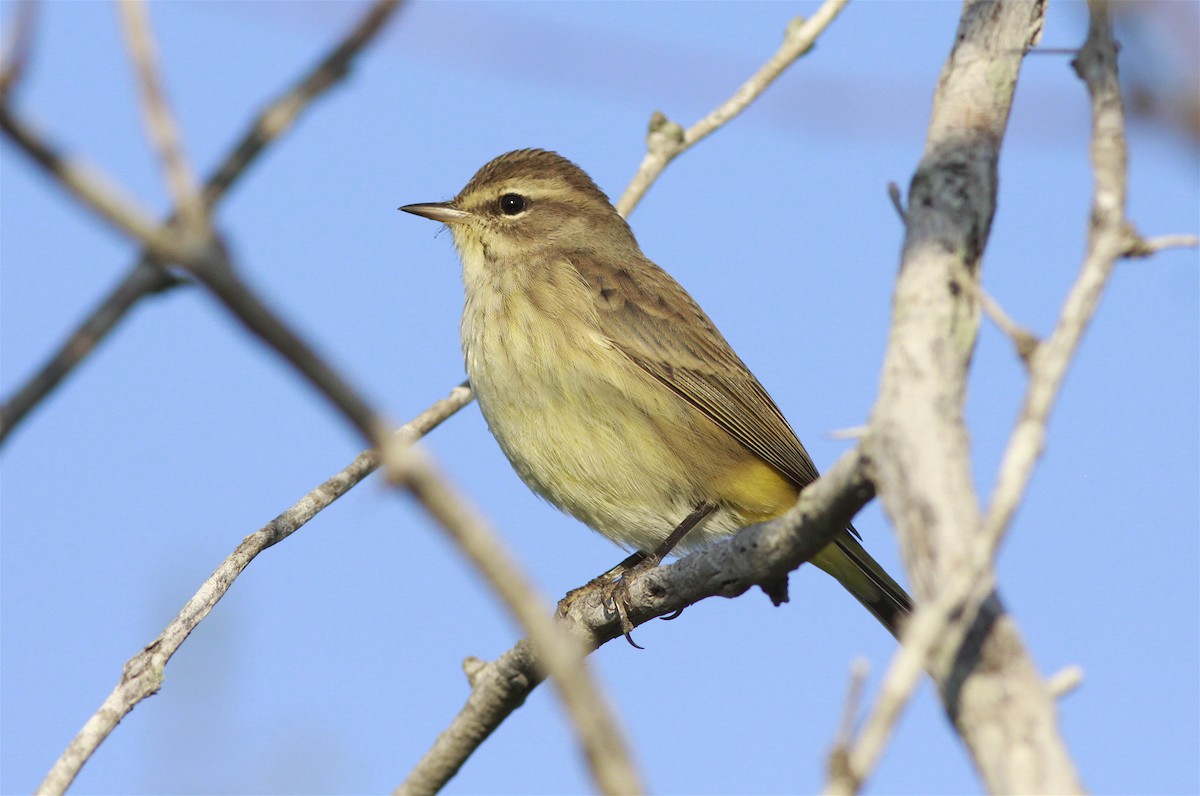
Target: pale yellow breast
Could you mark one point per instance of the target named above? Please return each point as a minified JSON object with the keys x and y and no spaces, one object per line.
{"x":592,"y":432}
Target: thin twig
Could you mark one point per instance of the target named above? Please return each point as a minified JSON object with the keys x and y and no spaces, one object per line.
{"x":1109,"y":239}
{"x":839,"y":755}
{"x":859,"y":670}
{"x":893,"y":191}
{"x":560,"y":654}
{"x":667,"y":140}
{"x":15,"y":55}
{"x":145,"y":278}
{"x":160,"y":121}
{"x":281,"y":114}
{"x":96,"y":191}
{"x":851,"y":432}
{"x":1064,"y":681}
{"x":216,"y":271}
{"x":205,"y":257}
{"x":928,"y":627}
{"x":1145,"y":247}
{"x":1023,"y":340}
{"x":761,"y":555}
{"x":143,"y":674}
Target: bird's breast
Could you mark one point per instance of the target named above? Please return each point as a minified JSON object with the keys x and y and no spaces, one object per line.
{"x":578,"y":420}
{"x":592,"y":432}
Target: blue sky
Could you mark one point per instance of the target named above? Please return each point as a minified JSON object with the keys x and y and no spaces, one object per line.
{"x":334,"y":661}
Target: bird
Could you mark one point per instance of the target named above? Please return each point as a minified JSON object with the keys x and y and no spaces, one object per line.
{"x":610,"y":391}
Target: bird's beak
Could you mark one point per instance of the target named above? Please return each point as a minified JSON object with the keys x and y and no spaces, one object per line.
{"x":438,"y":211}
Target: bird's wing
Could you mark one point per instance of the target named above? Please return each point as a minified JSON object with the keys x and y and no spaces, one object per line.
{"x":652,"y":320}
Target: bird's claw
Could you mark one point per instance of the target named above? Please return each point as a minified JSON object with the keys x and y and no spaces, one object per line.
{"x":616,"y":599}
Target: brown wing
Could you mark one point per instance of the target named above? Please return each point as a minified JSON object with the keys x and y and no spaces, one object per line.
{"x":654,"y":321}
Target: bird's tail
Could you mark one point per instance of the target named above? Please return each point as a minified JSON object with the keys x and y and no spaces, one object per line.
{"x":846,"y":560}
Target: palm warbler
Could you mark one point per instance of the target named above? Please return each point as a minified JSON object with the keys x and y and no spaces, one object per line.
{"x":611,"y":392}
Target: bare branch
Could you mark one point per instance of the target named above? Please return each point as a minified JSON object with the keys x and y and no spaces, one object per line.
{"x":95,"y":191}
{"x":991,"y":690}
{"x":917,"y":424}
{"x":205,"y":257}
{"x":1109,"y":239}
{"x":560,"y":655}
{"x":144,"y":673}
{"x":142,"y":280}
{"x":1002,"y":742}
{"x":145,"y":278}
{"x":1147,"y":246}
{"x":893,"y":191}
{"x":666,"y":140}
{"x":1023,"y":340}
{"x":281,"y":114}
{"x":1064,"y":681}
{"x":160,"y":122}
{"x":16,"y":50}
{"x":202,"y":254}
{"x":930,"y":626}
{"x":859,"y":669}
{"x":216,"y":271}
{"x":840,"y":754}
{"x":761,"y":555}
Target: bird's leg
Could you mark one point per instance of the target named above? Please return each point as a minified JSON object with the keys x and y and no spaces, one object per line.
{"x":676,"y":536}
{"x":619,"y":591}
{"x":619,"y":570}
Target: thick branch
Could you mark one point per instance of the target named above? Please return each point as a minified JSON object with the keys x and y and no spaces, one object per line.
{"x":990,"y":688}
{"x":759,"y":555}
{"x":560,"y":655}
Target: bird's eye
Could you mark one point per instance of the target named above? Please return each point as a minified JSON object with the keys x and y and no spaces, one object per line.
{"x":511,"y":204}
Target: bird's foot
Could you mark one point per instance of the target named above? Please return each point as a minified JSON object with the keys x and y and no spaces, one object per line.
{"x":617,"y":597}
{"x":614,"y":588}
{"x":602,"y":581}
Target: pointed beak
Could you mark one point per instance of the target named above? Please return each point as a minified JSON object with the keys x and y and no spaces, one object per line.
{"x":438,"y":211}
